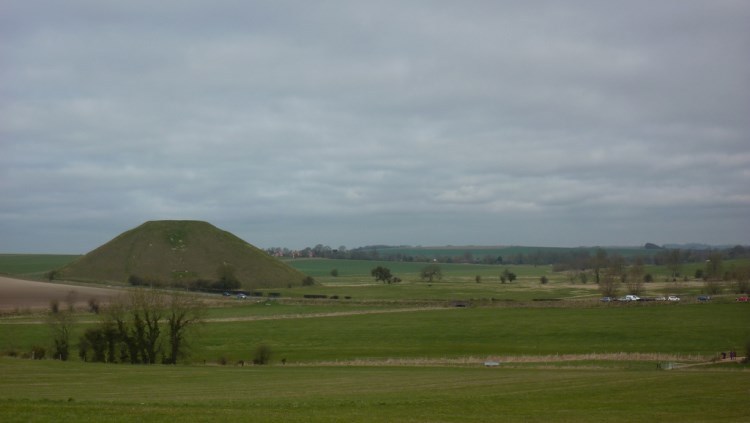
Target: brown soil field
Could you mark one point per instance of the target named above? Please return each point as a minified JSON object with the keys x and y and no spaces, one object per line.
{"x":18,"y":294}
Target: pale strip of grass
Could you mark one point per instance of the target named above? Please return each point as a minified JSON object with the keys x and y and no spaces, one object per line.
{"x":507,"y":359}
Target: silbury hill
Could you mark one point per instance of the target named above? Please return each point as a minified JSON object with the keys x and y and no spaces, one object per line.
{"x":181,"y":253}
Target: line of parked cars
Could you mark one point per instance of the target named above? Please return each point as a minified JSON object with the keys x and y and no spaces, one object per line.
{"x":700,"y":298}
{"x":631,"y":297}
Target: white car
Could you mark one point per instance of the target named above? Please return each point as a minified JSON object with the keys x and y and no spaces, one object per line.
{"x":673,"y":298}
{"x":631,"y":297}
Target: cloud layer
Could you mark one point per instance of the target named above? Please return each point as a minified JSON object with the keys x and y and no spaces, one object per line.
{"x":350,"y":123}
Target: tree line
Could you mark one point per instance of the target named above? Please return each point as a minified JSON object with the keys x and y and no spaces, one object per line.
{"x":561,"y":258}
{"x":143,"y":327}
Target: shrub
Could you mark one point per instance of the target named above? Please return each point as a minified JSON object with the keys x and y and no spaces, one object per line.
{"x":543,"y":280}
{"x":54,"y":306}
{"x":12,"y":352}
{"x":200,"y":285}
{"x":712,"y":287}
{"x":60,"y":349}
{"x":381,"y":273}
{"x":262,"y":354}
{"x":308,"y":281}
{"x":507,"y":275}
{"x":136,"y":280}
{"x":226,"y":284}
{"x":94,"y":305}
{"x":37,"y":352}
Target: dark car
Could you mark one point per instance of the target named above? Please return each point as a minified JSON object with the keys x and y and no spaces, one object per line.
{"x":704,"y":298}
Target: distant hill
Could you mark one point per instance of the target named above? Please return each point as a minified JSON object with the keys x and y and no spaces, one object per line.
{"x":181,"y":251}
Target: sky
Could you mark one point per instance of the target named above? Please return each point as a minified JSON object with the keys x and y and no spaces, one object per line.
{"x":353,"y":123}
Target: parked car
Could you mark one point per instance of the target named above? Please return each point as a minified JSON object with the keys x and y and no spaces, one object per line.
{"x":742,"y":299}
{"x":605,"y":299}
{"x":660,"y":299}
{"x":704,"y":298}
{"x":673,"y":298}
{"x":226,"y":294}
{"x":241,"y":296}
{"x":631,"y":297}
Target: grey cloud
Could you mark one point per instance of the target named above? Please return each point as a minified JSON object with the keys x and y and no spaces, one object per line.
{"x":298,"y":123}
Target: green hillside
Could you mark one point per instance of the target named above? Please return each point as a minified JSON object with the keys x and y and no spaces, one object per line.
{"x":180,"y":251}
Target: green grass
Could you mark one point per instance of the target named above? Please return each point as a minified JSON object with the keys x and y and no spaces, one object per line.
{"x":53,"y":391}
{"x":683,"y":329}
{"x":178,"y":252}
{"x":303,"y":336}
{"x":429,"y":379}
{"x":32,"y":265}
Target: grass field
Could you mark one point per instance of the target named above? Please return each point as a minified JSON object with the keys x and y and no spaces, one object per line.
{"x":311,"y":335}
{"x":32,"y":265}
{"x":84,"y":392}
{"x":400,"y":353}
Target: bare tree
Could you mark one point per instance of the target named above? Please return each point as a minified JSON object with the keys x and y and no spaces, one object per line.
{"x":134,"y":326}
{"x":741,"y":276}
{"x":674,"y":263}
{"x":714,"y":265}
{"x":609,"y":283}
{"x":599,"y":262}
{"x":183,"y":313}
{"x":635,"y":274}
{"x":431,"y":271}
{"x":147,"y":308}
{"x":611,"y":277}
{"x":70,"y":299}
{"x":60,"y":323}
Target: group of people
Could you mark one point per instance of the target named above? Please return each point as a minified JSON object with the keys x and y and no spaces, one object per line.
{"x":732,"y":355}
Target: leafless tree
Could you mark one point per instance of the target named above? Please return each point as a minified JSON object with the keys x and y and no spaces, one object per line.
{"x":634,"y":279}
{"x":183,"y":313}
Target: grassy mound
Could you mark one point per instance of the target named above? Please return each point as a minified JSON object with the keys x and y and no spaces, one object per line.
{"x":175,"y":252}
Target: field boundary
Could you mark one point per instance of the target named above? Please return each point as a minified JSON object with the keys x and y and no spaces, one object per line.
{"x":328,"y":314}
{"x":517,"y":359}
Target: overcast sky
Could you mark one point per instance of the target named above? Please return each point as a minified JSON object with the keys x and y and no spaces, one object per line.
{"x":295,"y":123}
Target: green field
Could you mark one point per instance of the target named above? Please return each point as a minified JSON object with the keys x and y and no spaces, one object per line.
{"x":400,"y":352}
{"x":33,"y":265}
{"x":309,"y":335}
{"x":54,"y":391}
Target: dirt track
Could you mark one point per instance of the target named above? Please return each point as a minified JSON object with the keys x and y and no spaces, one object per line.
{"x":329,"y":314}
{"x":18,"y":294}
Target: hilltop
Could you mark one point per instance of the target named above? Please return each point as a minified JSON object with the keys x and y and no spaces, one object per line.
{"x":176,"y":252}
